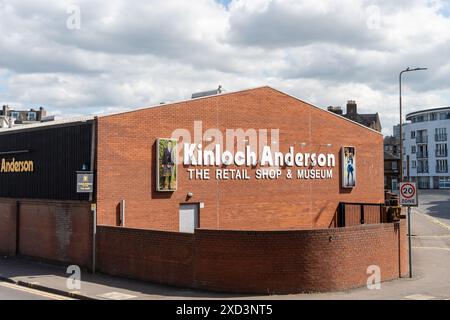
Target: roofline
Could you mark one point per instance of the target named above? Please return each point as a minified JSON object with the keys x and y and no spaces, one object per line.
{"x":329,"y":112}
{"x":89,"y":118}
{"x":426,"y":111}
{"x":81,"y":119}
{"x":240,"y":91}
{"x":47,"y":125}
{"x":179,"y":102}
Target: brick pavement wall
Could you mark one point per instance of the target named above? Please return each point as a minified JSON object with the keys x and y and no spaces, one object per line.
{"x":263,"y":262}
{"x":156,"y":256}
{"x":56,"y":231}
{"x":7,"y":227}
{"x":126,"y":165}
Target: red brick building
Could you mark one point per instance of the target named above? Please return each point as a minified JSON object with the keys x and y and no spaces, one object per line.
{"x":315,"y":226}
{"x":126,"y":165}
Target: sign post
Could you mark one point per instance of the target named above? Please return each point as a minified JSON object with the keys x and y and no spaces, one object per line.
{"x":409,"y":198}
{"x":94,"y":235}
{"x":85,"y":184}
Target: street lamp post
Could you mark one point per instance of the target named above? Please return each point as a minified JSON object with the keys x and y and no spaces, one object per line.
{"x":401,"y":163}
{"x":401,"y":116}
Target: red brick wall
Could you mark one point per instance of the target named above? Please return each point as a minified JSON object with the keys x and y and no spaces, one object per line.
{"x":126,"y":168}
{"x":7,"y":227}
{"x":255,"y":262}
{"x":49,"y":230}
{"x":163,"y":257}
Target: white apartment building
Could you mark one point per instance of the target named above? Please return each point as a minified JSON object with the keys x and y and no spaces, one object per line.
{"x":425,"y":148}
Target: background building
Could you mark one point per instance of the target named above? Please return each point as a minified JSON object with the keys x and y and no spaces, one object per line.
{"x":392,"y":160}
{"x":425,"y":148}
{"x":11,"y":117}
{"x":391,"y":164}
{"x":396,"y":132}
{"x":371,"y":120}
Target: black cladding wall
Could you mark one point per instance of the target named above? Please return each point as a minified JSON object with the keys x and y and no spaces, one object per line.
{"x":57,"y":152}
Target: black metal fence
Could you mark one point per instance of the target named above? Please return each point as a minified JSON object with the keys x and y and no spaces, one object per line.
{"x":351,"y":214}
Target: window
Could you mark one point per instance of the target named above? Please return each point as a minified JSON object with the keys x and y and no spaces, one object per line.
{"x":414,"y":164}
{"x":394,"y":184}
{"x":444,"y":115}
{"x":413,"y":149}
{"x":31,"y":116}
{"x":444,"y":183}
{"x":433,"y":116}
{"x":421,"y":118}
{"x":413,"y":134}
{"x":441,"y":150}
{"x":441,"y":166}
{"x":394,"y":165}
{"x":15,"y":115}
{"x":441,"y":130}
{"x":440,"y":134}
{"x":422,"y":166}
{"x":423,"y":182}
{"x":422,"y":136}
{"x":422,"y":151}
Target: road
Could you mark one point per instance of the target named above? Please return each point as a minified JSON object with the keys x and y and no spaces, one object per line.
{"x":436,"y":203}
{"x":9,"y":291}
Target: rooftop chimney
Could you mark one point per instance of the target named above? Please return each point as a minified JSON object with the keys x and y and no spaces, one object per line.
{"x":5,"y":110}
{"x":337,"y":110}
{"x":352,"y":109}
{"x":43,"y":112}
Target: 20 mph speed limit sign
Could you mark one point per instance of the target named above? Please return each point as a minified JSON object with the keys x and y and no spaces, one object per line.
{"x":408,"y":194}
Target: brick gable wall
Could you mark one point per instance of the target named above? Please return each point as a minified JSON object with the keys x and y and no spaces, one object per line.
{"x":126,"y":165}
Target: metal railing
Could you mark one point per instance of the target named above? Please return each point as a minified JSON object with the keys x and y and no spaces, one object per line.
{"x":440,"y":137}
{"x":442,"y":170}
{"x":422,"y":155}
{"x":422,"y":170}
{"x":351,"y":214}
{"x":421,"y":139}
{"x":441,"y":153}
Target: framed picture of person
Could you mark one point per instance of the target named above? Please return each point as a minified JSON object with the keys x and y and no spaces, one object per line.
{"x":348,"y":167}
{"x":166,"y":165}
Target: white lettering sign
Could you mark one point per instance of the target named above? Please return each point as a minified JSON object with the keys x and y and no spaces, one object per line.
{"x":314,"y":164}
{"x":193,"y":155}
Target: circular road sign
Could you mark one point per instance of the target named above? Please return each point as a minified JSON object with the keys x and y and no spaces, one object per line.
{"x":408,"y":190}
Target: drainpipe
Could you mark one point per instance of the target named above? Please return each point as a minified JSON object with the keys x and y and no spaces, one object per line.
{"x":94,"y":235}
{"x":17,"y":228}
{"x":93,"y":195}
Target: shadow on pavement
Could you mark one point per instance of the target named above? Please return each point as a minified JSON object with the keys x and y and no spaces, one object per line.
{"x":55,"y":277}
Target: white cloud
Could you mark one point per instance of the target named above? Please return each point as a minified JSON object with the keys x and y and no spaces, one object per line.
{"x":131,"y":54}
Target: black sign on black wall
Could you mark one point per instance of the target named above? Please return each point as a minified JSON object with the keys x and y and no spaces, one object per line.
{"x":46,"y":161}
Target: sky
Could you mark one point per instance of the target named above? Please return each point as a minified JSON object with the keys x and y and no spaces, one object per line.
{"x":82,"y":57}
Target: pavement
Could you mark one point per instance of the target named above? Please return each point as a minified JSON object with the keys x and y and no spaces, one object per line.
{"x":53,"y":279}
{"x":431,"y":272}
{"x":11,"y":291}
